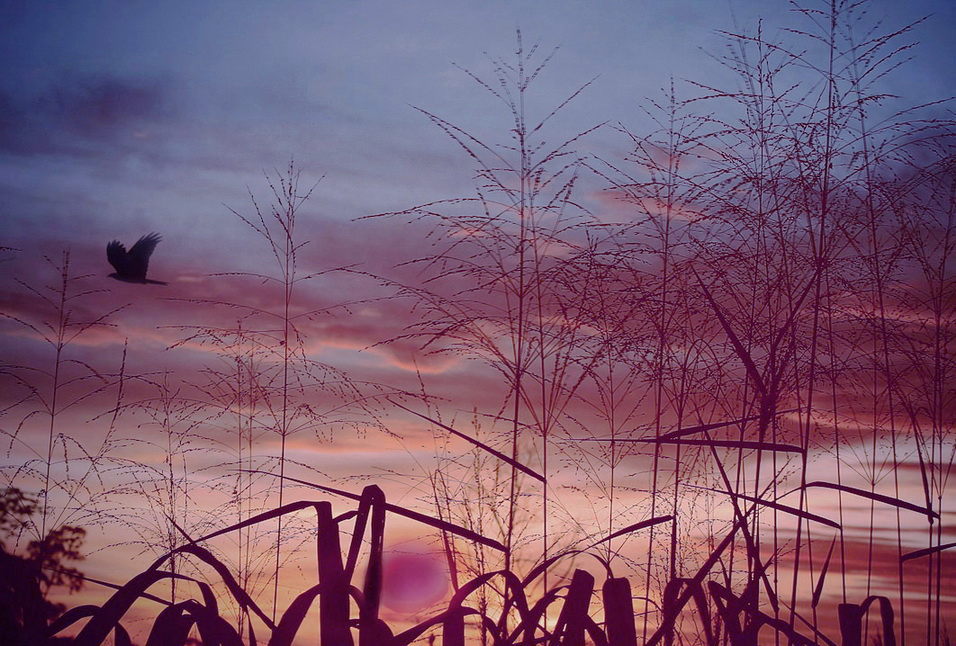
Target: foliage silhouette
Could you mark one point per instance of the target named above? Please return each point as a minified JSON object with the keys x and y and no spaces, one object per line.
{"x":26,"y":579}
{"x":684,"y":402}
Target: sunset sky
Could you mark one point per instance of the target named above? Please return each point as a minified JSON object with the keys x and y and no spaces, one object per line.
{"x":122,"y":118}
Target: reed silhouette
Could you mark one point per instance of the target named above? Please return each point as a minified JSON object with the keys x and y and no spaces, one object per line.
{"x":691,"y":424}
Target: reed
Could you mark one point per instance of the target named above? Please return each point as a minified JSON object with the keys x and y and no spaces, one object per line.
{"x":703,"y":413}
{"x":66,"y":470}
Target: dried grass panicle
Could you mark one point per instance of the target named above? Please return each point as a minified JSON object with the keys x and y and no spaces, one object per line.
{"x":689,"y":404}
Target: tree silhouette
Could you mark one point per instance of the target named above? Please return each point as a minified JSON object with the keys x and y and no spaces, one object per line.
{"x":25,"y":581}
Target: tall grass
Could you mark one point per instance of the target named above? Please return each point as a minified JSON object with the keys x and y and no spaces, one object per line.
{"x":711,"y":401}
{"x":495,"y":288}
{"x":266,"y":387}
{"x":65,"y":470}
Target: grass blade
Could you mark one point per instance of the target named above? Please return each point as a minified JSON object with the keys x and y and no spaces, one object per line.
{"x":292,"y":618}
{"x":570,"y":628}
{"x":818,"y":589}
{"x":781,"y":507}
{"x":334,"y":603}
{"x":619,"y":612}
{"x":926,"y":551}
{"x":633,"y":528}
{"x":501,"y":456}
{"x":730,"y":444}
{"x":889,"y":500}
{"x":402,"y":511}
{"x":372,"y":589}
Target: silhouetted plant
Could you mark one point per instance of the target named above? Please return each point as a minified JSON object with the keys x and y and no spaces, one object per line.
{"x":26,"y":579}
{"x":270,"y":381}
{"x":492,"y":291}
{"x":762,"y":338}
{"x":60,"y":466}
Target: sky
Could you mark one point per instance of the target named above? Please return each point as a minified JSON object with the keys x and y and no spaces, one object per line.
{"x":128,"y":116}
{"x":122,"y":118}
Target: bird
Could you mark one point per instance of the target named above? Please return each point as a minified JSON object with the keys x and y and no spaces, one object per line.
{"x":131,"y":265}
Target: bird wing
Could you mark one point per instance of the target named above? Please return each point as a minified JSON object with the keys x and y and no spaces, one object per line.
{"x":138,"y":256}
{"x":116,"y":254}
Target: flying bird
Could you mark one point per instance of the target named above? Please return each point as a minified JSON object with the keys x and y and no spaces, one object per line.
{"x":131,"y":265}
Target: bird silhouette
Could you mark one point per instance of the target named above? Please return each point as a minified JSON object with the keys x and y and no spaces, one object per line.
{"x":131,"y":265}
